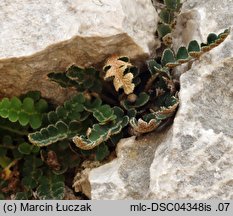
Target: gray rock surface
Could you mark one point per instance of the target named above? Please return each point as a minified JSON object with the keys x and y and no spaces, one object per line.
{"x":196,"y":160}
{"x":126,"y":177}
{"x":38,"y":37}
{"x":199,"y":18}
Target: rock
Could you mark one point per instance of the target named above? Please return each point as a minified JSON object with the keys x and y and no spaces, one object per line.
{"x":43,"y":36}
{"x":193,"y":160}
{"x":126,"y":177}
{"x":194,"y":24}
{"x":196,"y":161}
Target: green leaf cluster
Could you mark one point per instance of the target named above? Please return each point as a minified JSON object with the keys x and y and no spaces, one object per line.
{"x":42,"y":144}
{"x":89,"y":122}
{"x":70,"y":121}
{"x":62,"y":123}
{"x":26,"y":111}
{"x":100,"y":133}
{"x":52,"y":187}
{"x":17,"y":155}
{"x":21,"y":166}
{"x":82,"y":79}
{"x":170,"y":59}
{"x":167,"y":17}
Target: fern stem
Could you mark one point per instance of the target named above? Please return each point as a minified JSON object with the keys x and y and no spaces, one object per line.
{"x":22,"y":133}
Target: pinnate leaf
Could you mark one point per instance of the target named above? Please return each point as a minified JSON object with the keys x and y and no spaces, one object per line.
{"x":24,"y":111}
{"x":49,"y":135}
{"x":104,"y":114}
{"x":100,"y":133}
{"x":81,"y":78}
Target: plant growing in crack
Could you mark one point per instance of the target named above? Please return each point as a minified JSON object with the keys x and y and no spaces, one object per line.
{"x":119,"y":101}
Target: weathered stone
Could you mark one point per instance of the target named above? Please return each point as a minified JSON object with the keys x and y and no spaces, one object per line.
{"x":196,"y":161}
{"x":126,"y":177}
{"x":196,"y":20}
{"x":199,"y":18}
{"x":38,"y":37}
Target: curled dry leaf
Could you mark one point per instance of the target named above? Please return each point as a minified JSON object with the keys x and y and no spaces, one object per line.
{"x":168,"y":111}
{"x":141,"y":126}
{"x":116,"y":68}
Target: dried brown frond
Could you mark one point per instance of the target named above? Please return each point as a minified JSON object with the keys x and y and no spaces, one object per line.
{"x":116,"y":70}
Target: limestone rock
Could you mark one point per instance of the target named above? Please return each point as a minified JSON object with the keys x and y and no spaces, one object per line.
{"x":38,"y":37}
{"x":196,"y":161}
{"x":199,"y":18}
{"x":128,"y":176}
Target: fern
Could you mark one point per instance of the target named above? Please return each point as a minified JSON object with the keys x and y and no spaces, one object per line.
{"x":167,"y":22}
{"x":89,"y":123}
{"x":26,"y":112}
{"x":101,"y":133}
{"x":170,"y":59}
{"x":80,"y":78}
{"x":70,"y":123}
{"x":115,"y":67}
{"x":40,"y":145}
